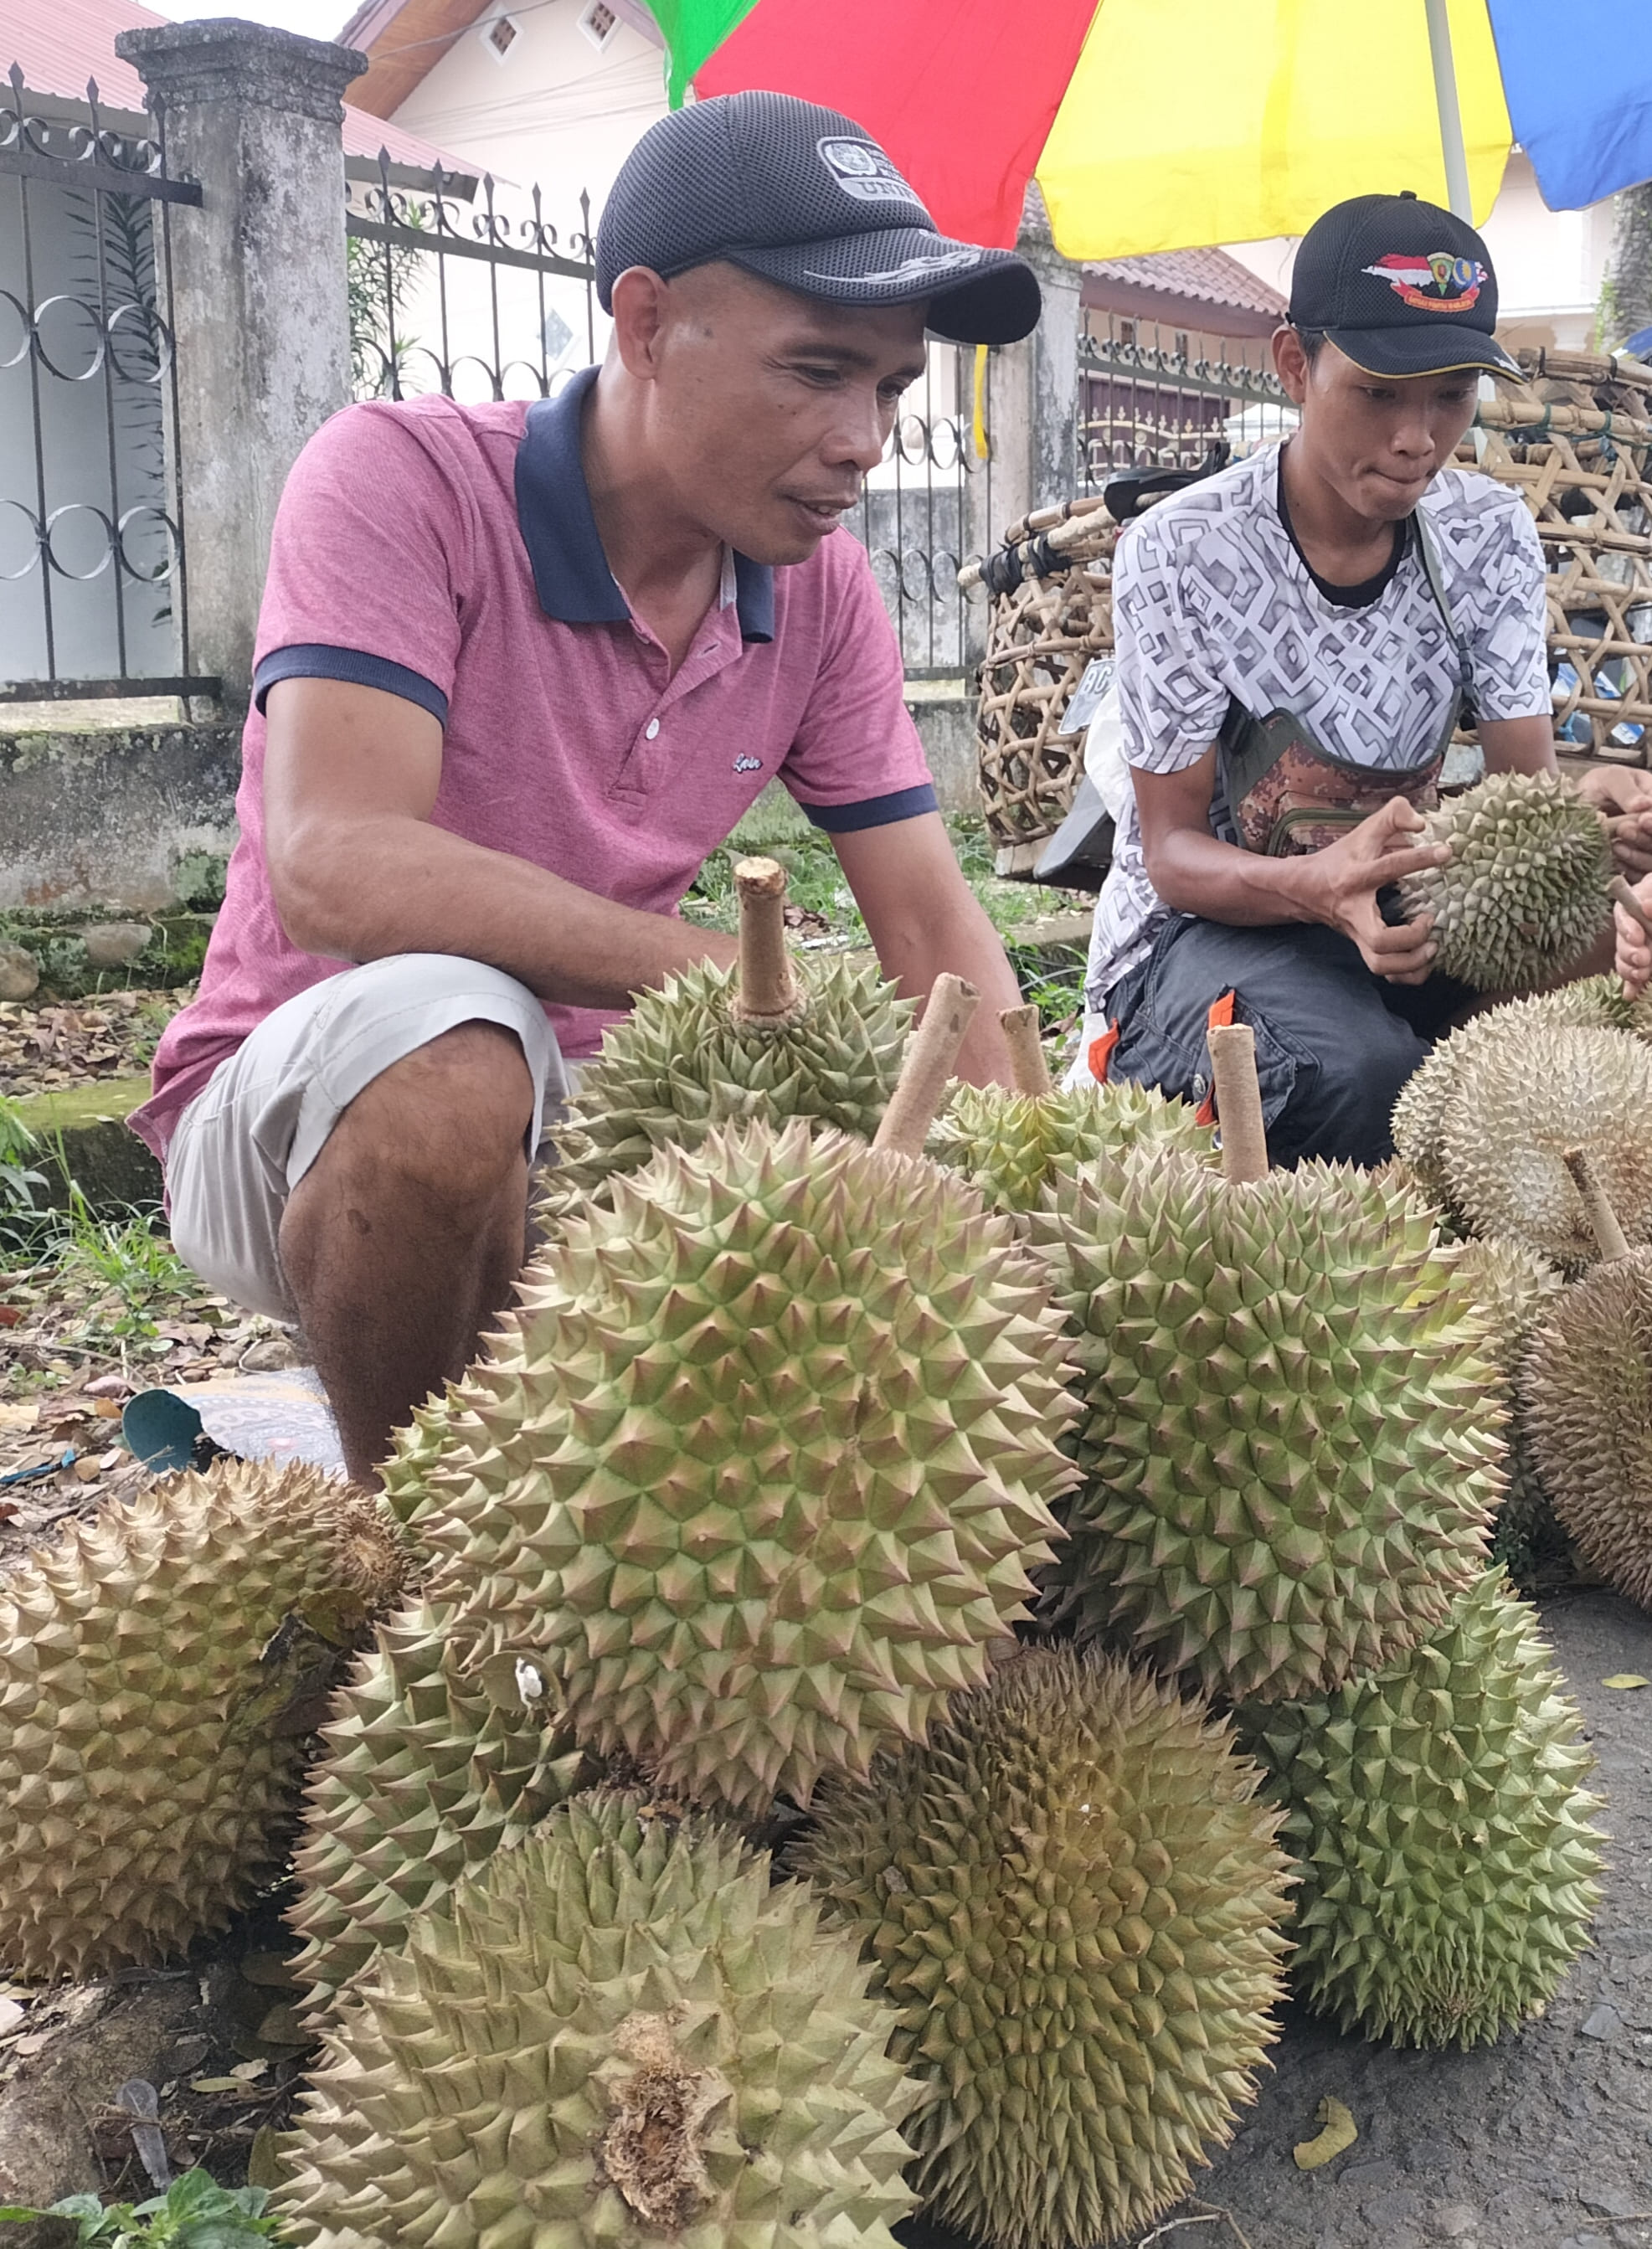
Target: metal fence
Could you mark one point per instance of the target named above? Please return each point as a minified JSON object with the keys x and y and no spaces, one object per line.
{"x":93,"y":593}
{"x":457,"y":287}
{"x":915,"y":513}
{"x":1156,"y":397}
{"x":452,"y":294}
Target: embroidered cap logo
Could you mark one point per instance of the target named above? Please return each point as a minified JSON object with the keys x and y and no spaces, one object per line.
{"x":1436,"y":282}
{"x":861,"y":169}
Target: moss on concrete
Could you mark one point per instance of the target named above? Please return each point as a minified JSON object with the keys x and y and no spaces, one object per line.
{"x":82,"y":1138}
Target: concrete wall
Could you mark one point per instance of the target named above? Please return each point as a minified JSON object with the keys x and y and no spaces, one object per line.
{"x":944,"y":713}
{"x":103,"y":818}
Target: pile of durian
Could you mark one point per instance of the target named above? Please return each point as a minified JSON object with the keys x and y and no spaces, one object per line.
{"x":914,"y":1628}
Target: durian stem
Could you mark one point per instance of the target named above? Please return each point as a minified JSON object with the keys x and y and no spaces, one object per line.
{"x":769,"y":995}
{"x":1610,"y":1236}
{"x":1027,"y":1065}
{"x":1623,"y":896}
{"x":1244,"y":1136}
{"x":926,"y":1066}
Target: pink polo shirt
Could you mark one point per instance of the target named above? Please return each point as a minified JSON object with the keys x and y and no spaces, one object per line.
{"x":449,"y":553}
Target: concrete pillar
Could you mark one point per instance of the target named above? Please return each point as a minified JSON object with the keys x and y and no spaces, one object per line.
{"x":259,"y":295}
{"x":1032,"y":411}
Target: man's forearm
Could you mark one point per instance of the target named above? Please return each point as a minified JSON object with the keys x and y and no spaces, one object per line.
{"x":962,"y":943}
{"x":1197,"y":873}
{"x":367,"y":889}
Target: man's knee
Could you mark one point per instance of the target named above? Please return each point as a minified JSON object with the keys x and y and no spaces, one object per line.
{"x":452,"y":1118}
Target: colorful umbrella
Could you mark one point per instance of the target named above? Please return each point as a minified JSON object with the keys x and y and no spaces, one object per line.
{"x":1167,"y":124}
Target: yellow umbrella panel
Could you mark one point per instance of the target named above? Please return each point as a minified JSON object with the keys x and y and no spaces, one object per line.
{"x":1194,"y":122}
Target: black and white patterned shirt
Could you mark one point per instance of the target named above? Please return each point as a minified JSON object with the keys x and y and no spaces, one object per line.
{"x":1211,"y":600}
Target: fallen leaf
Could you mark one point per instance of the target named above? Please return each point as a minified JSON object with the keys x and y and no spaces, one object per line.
{"x":218,"y":2084}
{"x":264,"y":2158}
{"x":1626,"y":1679}
{"x":85,"y":1467}
{"x":106,"y":1410}
{"x":10,"y":1316}
{"x":22,"y":1416}
{"x":284,"y":2025}
{"x":1339,"y":2133}
{"x":247,"y":2071}
{"x":269,"y":1968}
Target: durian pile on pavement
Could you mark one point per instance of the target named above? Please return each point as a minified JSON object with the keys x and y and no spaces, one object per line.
{"x":866,"y":1690}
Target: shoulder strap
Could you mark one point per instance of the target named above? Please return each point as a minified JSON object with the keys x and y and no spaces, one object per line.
{"x":1436,"y":587}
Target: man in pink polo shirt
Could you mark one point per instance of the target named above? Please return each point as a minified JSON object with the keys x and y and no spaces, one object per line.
{"x":519,"y":669}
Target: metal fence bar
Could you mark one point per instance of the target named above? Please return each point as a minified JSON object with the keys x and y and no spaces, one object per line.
{"x":98,"y":690}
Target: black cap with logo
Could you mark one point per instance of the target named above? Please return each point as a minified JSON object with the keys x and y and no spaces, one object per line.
{"x":805,"y":197}
{"x":1400,"y":286}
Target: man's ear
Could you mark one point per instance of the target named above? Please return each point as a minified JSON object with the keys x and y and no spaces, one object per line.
{"x":639,"y":303}
{"x":1291,"y":364}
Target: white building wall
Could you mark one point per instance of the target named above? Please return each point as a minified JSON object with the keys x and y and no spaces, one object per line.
{"x":552,"y":109}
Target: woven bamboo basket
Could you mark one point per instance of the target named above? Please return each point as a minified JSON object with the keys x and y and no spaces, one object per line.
{"x":1045,"y":630}
{"x":1575,"y":440}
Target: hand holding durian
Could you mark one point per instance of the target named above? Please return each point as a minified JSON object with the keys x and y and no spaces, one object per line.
{"x":732,"y":1534}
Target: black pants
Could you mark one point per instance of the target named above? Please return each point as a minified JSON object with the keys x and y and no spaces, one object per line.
{"x":1334,"y":1043}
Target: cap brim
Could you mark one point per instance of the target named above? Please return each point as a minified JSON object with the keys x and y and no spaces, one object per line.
{"x":975,"y":296}
{"x":1407,"y":351}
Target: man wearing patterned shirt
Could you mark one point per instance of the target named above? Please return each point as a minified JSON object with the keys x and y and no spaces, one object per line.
{"x":1298,"y":637}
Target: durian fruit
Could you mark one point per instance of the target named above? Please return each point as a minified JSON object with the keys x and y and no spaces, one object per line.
{"x":160,"y":1668}
{"x":1437,"y":1814}
{"x":415,"y":1451}
{"x":759,"y":1469}
{"x":1591,"y":1003}
{"x":696,"y":1054}
{"x":1513,"y":1288}
{"x":1587,"y":1403}
{"x":616,"y":2035}
{"x":425,"y":1771}
{"x":1515,"y":1104}
{"x":1073,"y":1899}
{"x":1290,"y":1443}
{"x":1524,"y":893}
{"x":1011,"y":1145}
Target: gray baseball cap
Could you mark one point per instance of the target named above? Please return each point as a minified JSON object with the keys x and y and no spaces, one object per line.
{"x":805,"y":197}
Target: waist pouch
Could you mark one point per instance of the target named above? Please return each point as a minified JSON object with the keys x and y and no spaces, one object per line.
{"x":1285,"y":795}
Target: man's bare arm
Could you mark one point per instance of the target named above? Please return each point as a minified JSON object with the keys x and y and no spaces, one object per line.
{"x":1197,"y":873}
{"x":924,"y":917}
{"x":359,"y":873}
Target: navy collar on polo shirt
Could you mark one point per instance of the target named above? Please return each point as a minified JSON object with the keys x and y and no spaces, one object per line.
{"x":571,"y":575}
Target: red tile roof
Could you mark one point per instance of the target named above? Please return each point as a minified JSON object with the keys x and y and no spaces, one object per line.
{"x":61,"y":44}
{"x":1207,"y":276}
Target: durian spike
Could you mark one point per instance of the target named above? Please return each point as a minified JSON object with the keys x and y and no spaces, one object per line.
{"x":768,"y":993}
{"x":930,"y":1054}
{"x":1614,"y":1242}
{"x":1027,"y":1065}
{"x":1244,"y":1136}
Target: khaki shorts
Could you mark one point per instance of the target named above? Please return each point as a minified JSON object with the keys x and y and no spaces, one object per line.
{"x":262,"y":1117}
